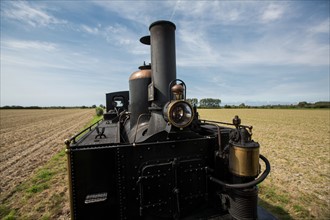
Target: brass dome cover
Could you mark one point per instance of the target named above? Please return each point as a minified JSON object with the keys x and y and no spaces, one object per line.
{"x":177,"y":89}
{"x":140,"y":74}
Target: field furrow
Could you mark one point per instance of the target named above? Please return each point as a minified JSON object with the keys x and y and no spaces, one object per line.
{"x":297,"y":144}
{"x":35,"y":132}
{"x":31,"y":138}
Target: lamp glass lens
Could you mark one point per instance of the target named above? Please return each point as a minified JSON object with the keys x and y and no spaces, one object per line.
{"x":181,"y":114}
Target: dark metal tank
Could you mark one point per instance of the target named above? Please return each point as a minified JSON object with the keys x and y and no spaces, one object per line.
{"x":139,"y":104}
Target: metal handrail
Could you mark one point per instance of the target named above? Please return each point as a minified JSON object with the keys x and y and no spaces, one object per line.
{"x":73,"y":138}
{"x":226,"y":123}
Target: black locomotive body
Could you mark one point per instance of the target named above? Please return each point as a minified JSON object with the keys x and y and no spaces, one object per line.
{"x":152,"y":157}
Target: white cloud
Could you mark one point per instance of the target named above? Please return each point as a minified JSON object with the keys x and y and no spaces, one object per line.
{"x":26,"y":13}
{"x":201,"y":21}
{"x":116,"y":34}
{"x":134,"y":10}
{"x":270,"y":45}
{"x":211,"y":13}
{"x":119,"y":36}
{"x":52,"y":74}
{"x":322,"y":27}
{"x":90,"y":30}
{"x":273,"y":12}
{"x":233,"y":15}
{"x":225,"y":42}
{"x":174,"y":9}
{"x":195,"y":49}
{"x":28,"y":45}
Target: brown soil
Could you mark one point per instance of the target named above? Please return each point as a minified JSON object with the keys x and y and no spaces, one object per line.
{"x":29,"y":138}
{"x":296,"y":142}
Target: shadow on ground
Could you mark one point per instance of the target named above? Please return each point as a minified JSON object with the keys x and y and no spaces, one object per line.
{"x":277,"y":211}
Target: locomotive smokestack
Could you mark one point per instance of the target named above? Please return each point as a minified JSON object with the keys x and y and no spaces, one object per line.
{"x":163,"y":61}
{"x":163,"y":69}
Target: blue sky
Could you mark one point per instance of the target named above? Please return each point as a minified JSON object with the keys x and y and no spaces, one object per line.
{"x":73,"y":52}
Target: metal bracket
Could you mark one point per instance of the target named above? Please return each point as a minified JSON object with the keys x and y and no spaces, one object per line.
{"x":100,"y":134}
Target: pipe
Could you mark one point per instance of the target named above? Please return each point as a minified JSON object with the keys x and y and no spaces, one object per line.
{"x":163,"y":61}
{"x":249,"y":184}
{"x":221,"y":150}
{"x":163,"y":68}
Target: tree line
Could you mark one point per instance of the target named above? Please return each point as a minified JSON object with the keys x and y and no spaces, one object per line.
{"x":215,"y":103}
{"x":205,"y":103}
{"x":48,"y":107}
{"x":300,"y":105}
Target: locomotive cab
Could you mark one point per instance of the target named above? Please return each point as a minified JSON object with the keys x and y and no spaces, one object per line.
{"x":116,"y":103}
{"x":152,"y":157}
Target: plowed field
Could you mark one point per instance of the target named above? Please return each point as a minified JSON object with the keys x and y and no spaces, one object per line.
{"x":29,"y":138}
{"x":295,"y":141}
{"x":297,"y":144}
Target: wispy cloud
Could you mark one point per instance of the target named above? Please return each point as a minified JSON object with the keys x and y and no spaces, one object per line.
{"x":133,"y":10}
{"x":273,"y":12}
{"x":51,"y":74}
{"x":174,"y":9}
{"x":90,"y":30}
{"x":270,"y":49}
{"x":28,"y":45}
{"x":119,"y":36}
{"x":34,"y":16}
{"x":195,"y":49}
{"x":322,"y":27}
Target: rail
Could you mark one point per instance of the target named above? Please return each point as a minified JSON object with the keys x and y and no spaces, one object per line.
{"x":226,"y":123}
{"x":89,"y":128}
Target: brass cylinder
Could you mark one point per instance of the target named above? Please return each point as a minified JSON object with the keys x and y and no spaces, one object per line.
{"x":244,"y":161}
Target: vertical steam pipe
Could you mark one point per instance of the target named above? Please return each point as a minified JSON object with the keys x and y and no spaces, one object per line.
{"x":163,"y":60}
{"x":163,"y":68}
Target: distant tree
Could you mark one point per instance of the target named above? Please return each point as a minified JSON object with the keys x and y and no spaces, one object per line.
{"x":302,"y":104}
{"x":322,"y":105}
{"x":99,"y":111}
{"x":102,"y":106}
{"x":193,"y":101}
{"x":93,"y":106}
{"x":33,"y":107}
{"x":209,"y":103}
{"x":12,"y":107}
{"x":242,"y":105}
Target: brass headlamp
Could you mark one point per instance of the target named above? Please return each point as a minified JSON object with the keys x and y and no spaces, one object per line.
{"x":177,"y":111}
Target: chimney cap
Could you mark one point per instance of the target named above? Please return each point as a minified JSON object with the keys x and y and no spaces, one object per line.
{"x":162,"y":22}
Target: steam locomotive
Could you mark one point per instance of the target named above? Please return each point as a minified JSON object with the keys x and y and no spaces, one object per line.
{"x":152,"y":157}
